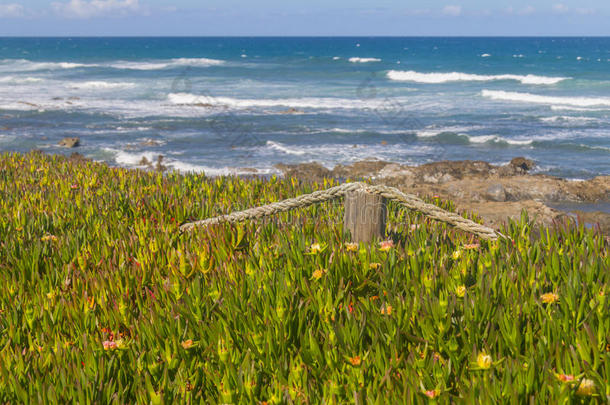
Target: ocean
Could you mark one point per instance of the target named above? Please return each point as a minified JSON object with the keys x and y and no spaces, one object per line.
{"x":235,"y":105}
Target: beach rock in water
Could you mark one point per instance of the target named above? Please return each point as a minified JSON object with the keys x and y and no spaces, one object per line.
{"x":523,"y":163}
{"x":70,"y":142}
{"x":291,"y":111}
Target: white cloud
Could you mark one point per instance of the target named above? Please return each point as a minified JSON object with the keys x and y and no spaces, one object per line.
{"x":560,"y":8}
{"x":453,"y":11}
{"x":585,"y":11}
{"x":93,"y":8}
{"x":11,"y":10}
{"x":529,"y":10}
{"x":418,"y":11}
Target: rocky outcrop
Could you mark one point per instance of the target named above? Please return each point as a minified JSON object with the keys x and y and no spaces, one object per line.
{"x":494,"y":192}
{"x":69,"y":142}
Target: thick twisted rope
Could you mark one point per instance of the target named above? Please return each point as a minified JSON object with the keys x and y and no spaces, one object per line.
{"x":407,"y":200}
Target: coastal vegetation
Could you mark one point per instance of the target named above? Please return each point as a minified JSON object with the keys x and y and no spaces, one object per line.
{"x":104,"y":300}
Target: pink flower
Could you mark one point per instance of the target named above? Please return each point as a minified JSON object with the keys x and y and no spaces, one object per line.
{"x":386,"y":245}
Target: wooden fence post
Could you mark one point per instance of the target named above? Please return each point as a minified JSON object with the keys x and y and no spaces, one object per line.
{"x":365,"y":216}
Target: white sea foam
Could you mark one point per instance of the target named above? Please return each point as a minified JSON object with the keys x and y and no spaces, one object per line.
{"x":568,"y":119}
{"x":519,"y":56}
{"x":229,"y":102}
{"x":101,"y":85}
{"x":24,"y":65}
{"x":435,"y":78}
{"x":568,"y":108}
{"x":431,"y":132}
{"x":499,"y":139}
{"x":363,"y":60}
{"x":20,"y":80}
{"x":160,"y":65}
{"x":128,"y":159}
{"x":485,"y":55}
{"x":283,"y":148}
{"x":539,"y":99}
{"x":336,"y":58}
{"x":474,"y":139}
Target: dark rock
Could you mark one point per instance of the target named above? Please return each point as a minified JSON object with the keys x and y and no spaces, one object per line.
{"x":523,"y":163}
{"x":77,"y":157}
{"x":70,"y":142}
{"x":160,"y":166}
{"x":291,"y":111}
{"x":455,"y":169}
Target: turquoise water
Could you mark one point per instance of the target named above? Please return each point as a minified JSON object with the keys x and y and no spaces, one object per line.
{"x":225,"y":104}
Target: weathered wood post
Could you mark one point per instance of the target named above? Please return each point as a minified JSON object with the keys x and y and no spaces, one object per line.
{"x":365,"y":216}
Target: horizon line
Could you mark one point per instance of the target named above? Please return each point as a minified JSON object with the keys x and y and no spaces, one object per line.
{"x":303,"y":36}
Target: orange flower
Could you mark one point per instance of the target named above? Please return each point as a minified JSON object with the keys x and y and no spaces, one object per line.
{"x":386,"y":310}
{"x":549,"y":298}
{"x":187,"y":344}
{"x":471,"y":246}
{"x":355,"y":361}
{"x":565,"y":377}
{"x":49,"y":238}
{"x":386,"y":245}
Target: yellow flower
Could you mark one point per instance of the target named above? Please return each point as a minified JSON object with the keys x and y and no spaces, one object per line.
{"x":317,"y":274}
{"x":457,"y":254}
{"x":460,"y":291}
{"x":386,"y":245}
{"x":484,"y":360}
{"x":586,"y":388}
{"x":351,"y":247}
{"x":51,"y":295}
{"x":549,"y":298}
{"x":386,"y":310}
{"x":374,"y":266}
{"x":187,"y":344}
{"x":315,"y":248}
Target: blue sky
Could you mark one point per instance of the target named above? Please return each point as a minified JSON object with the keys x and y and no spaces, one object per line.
{"x":300,"y":17}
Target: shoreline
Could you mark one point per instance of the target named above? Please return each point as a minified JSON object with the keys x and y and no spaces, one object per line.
{"x":495,"y":193}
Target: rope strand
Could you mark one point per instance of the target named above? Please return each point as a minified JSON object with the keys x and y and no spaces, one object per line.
{"x":406,"y":200}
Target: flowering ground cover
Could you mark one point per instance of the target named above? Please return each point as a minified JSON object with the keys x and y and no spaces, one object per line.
{"x":103,"y":300}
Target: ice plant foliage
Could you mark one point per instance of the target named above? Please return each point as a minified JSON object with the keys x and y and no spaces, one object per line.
{"x":103,"y":300}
